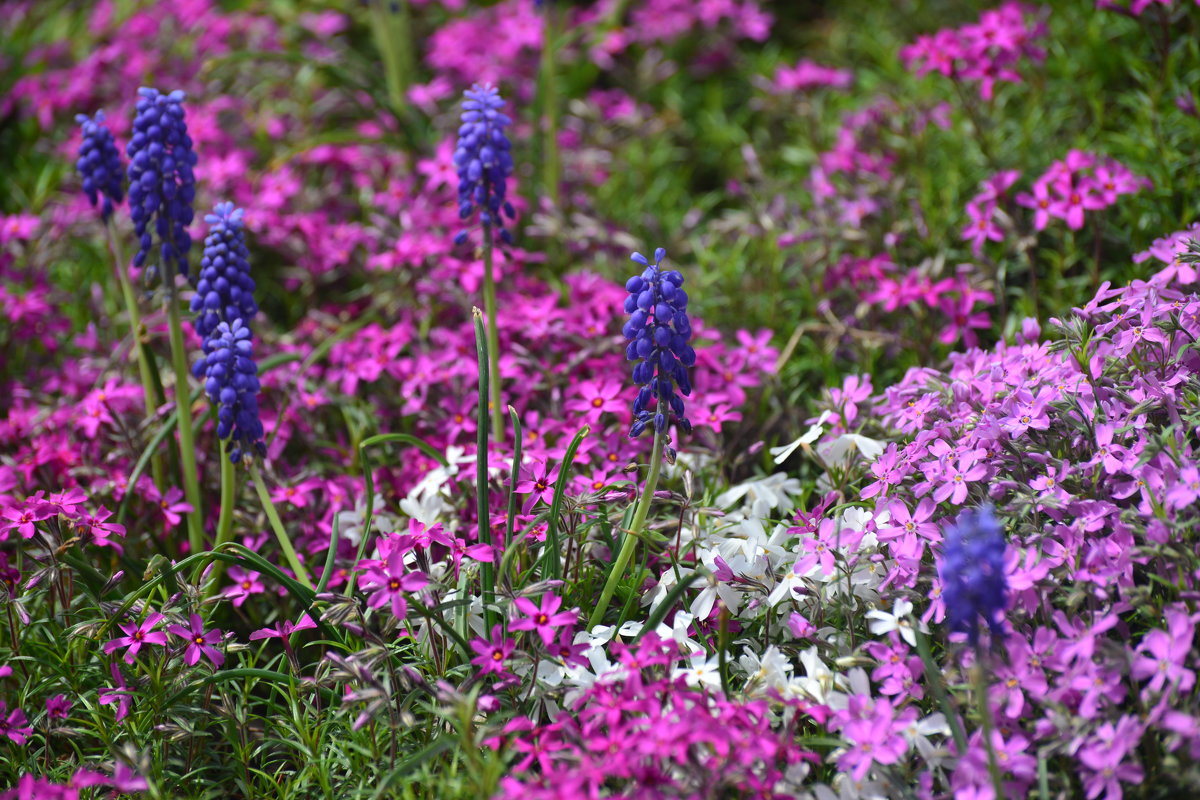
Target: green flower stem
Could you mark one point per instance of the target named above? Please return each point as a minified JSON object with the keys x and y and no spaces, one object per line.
{"x":187,"y":442}
{"x":488,"y":576}
{"x":935,"y":678}
{"x":151,"y":384}
{"x":979,"y":674}
{"x":285,"y":544}
{"x":635,"y":531}
{"x":493,"y":337}
{"x":225,"y":522}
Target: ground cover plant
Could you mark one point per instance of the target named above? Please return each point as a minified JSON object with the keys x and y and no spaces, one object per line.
{"x":632,"y":398}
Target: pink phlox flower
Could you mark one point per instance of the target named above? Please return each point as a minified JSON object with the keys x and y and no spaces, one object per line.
{"x":918,"y":522}
{"x":284,"y":629}
{"x":171,"y":505}
{"x":119,"y":694}
{"x":956,"y":476}
{"x":982,"y":227}
{"x":491,"y":654}
{"x":1186,"y":490}
{"x":540,"y":482}
{"x":1162,"y":655}
{"x":199,"y":641}
{"x":58,"y":707}
{"x":596,"y":397}
{"x":1106,"y":758}
{"x":545,"y":619}
{"x":390,"y":582}
{"x":244,"y":584}
{"x":138,"y":635}
{"x":14,"y":724}
{"x":298,"y":494}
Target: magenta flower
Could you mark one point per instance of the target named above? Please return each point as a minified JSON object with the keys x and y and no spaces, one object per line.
{"x":199,"y":642}
{"x":15,"y":725}
{"x":137,"y":635}
{"x":492,"y":653}
{"x":390,"y":581}
{"x":171,"y":504}
{"x":284,"y":629}
{"x":545,"y":620}
{"x":58,"y":707}
{"x":540,"y":483}
{"x":957,"y":474}
{"x":1163,"y":655}
{"x":119,"y":694}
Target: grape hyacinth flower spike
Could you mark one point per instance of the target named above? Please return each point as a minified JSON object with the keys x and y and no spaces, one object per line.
{"x":972,"y":573}
{"x":231,"y":381}
{"x":162,"y":186}
{"x":658,"y":330}
{"x":483,"y":159}
{"x":484,"y":162}
{"x":224,"y":289}
{"x":100,"y":165}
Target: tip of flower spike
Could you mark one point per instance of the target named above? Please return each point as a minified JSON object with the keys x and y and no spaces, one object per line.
{"x":659,"y":255}
{"x":225,"y":214}
{"x":639,"y":258}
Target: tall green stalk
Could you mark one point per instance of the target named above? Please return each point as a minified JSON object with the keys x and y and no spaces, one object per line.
{"x":151,"y":383}
{"x":493,"y":337}
{"x":225,"y":522}
{"x":285,"y":543}
{"x":979,"y":673}
{"x":635,"y":531}
{"x":187,"y":442}
{"x":481,"y":468}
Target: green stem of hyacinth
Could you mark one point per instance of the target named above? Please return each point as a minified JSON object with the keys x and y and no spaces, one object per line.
{"x":151,"y":384}
{"x":187,"y":442}
{"x":979,"y":673}
{"x":285,"y":543}
{"x":487,"y":573}
{"x":496,"y":408}
{"x":635,"y":531}
{"x":935,"y":679}
{"x":225,"y":522}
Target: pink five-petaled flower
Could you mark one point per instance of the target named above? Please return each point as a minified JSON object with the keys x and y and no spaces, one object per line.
{"x":596,"y":397}
{"x":137,"y":635}
{"x":199,"y":642}
{"x":1163,"y":655}
{"x":493,"y":653}
{"x":22,"y":519}
{"x":118,"y":694}
{"x":955,"y":479}
{"x":171,"y":504}
{"x":58,"y":707}
{"x":389,"y":582}
{"x":545,"y":620}
{"x":540,"y":483}
{"x":14,"y":725}
{"x":284,"y":629}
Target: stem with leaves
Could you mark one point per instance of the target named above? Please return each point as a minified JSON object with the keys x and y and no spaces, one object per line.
{"x":285,"y":543}
{"x":493,"y":337}
{"x":187,"y":442}
{"x":635,"y":531}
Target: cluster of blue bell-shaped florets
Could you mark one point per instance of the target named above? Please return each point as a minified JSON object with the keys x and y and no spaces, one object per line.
{"x":658,"y":331}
